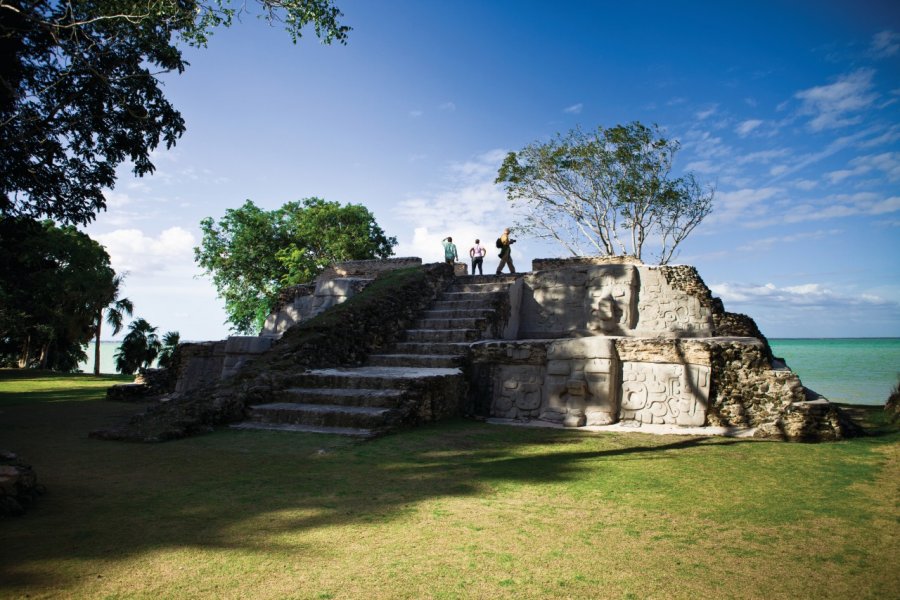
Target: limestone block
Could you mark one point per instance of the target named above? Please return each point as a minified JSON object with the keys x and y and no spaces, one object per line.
{"x":201,"y":365}
{"x":553,"y":303}
{"x":586,"y":347}
{"x":342,"y":286}
{"x":612,"y":292}
{"x":664,"y":393}
{"x":667,"y":311}
{"x":581,"y":380}
{"x":517,"y":391}
{"x":602,"y":406}
{"x":247,"y":344}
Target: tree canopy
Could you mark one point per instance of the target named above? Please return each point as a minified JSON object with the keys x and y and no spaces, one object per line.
{"x":80,"y":91}
{"x":139,"y":347}
{"x":53,"y":283}
{"x":252,"y":254}
{"x":609,"y":190}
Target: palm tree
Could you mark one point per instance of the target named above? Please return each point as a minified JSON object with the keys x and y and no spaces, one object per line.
{"x":116,"y":309}
{"x":139,"y":347}
{"x":167,"y":354}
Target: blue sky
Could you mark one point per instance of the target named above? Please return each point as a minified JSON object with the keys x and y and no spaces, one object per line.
{"x":791,"y":109}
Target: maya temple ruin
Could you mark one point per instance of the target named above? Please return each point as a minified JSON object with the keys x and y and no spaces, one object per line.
{"x":595,"y":342}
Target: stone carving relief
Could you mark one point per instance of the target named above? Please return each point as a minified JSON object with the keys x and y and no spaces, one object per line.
{"x":580,"y":384}
{"x":670,"y":312}
{"x":517,"y":391}
{"x":612,"y":299}
{"x":553,"y":303}
{"x":664,"y":393}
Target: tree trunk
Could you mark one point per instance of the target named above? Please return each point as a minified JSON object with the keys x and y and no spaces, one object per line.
{"x":45,"y":355}
{"x":26,"y":352}
{"x":97,"y":344}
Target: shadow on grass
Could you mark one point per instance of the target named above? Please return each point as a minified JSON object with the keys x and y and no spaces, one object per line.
{"x":232,"y":489}
{"x":268,"y":491}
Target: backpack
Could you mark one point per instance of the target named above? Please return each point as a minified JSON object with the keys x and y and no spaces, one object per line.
{"x":499,"y":243}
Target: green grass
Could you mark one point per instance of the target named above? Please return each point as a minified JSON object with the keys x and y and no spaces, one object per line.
{"x":457,"y":510}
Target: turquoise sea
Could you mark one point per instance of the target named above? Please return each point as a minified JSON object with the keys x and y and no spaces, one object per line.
{"x":855,"y":371}
{"x":850,"y":370}
{"x":107,"y":358}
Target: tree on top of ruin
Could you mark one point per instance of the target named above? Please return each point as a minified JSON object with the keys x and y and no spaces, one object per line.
{"x":605,"y":192}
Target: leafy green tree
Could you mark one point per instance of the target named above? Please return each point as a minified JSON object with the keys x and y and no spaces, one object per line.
{"x":80,"y":91}
{"x":167,"y":352}
{"x":252,"y":254}
{"x":52,"y":279}
{"x":610,"y":190}
{"x":139,"y":347}
{"x":116,"y":308}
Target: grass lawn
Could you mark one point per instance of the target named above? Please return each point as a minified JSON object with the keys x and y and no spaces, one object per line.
{"x":457,"y":510}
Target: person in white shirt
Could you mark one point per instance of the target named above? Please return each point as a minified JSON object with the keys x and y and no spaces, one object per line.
{"x":477,"y":253}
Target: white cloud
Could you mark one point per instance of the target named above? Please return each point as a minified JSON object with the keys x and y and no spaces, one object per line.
{"x":886,"y":162}
{"x":702,"y":166}
{"x":706,"y":112}
{"x":575,"y":109}
{"x":469,"y":206}
{"x":745,"y":127}
{"x":836,"y":104}
{"x":742,"y":204}
{"x":805,"y":184}
{"x":770,"y":242}
{"x":840,"y":206}
{"x":415,"y":114}
{"x":804,"y":295}
{"x":447,"y":106}
{"x":133,"y":251}
{"x":837,"y":145}
{"x":885,"y":44}
{"x":763,"y":156}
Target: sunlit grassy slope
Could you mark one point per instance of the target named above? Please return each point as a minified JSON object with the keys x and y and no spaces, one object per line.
{"x":458,"y":510}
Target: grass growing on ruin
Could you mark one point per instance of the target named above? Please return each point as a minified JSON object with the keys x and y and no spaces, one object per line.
{"x":457,"y":510}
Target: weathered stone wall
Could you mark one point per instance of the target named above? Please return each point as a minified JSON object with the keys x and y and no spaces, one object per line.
{"x":726,"y":382}
{"x":669,"y":310}
{"x":200,"y":365}
{"x":594,"y":380}
{"x":343,"y":336}
{"x":336,"y":284}
{"x":241,"y":349}
{"x":585,"y":297}
{"x":368,"y":269}
{"x":553,"y":264}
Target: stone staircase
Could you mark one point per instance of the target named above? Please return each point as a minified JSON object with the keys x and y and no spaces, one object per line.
{"x":416,"y":381}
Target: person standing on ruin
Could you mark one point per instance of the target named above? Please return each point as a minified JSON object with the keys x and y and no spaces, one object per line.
{"x":504,"y":242}
{"x":450,"y":256}
{"x":477,"y":253}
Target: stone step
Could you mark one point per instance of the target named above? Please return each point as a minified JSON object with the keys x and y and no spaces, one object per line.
{"x":459,"y":313}
{"x":507,"y":278}
{"x":484,"y":297}
{"x":414,"y":360}
{"x":297,"y":428}
{"x":451,"y":348}
{"x":324,"y":415}
{"x":466,"y":303}
{"x":477,"y":287}
{"x":372,"y":377}
{"x":452,"y":323}
{"x":443,"y":335}
{"x":384,"y":398}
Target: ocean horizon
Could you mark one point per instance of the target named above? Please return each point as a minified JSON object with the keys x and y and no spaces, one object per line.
{"x":846,"y":370}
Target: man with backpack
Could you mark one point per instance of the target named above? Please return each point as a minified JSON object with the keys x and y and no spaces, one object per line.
{"x":503,"y":243}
